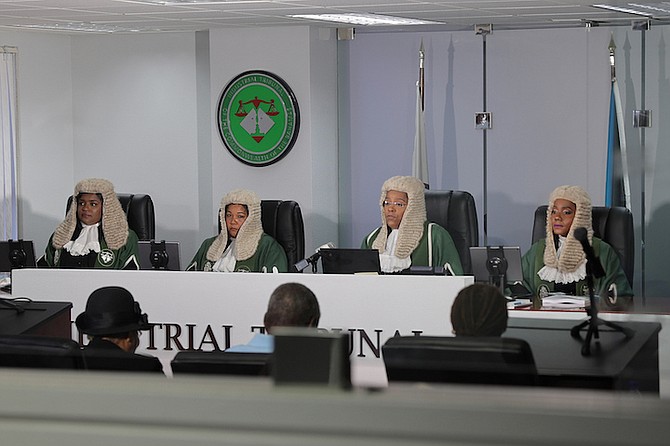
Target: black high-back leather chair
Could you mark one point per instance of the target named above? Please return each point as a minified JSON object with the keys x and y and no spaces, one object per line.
{"x":139,"y":209}
{"x":282,"y":220}
{"x":614,"y":225}
{"x":461,"y":359}
{"x":221,"y":363}
{"x":39,"y":352}
{"x":455,"y":211}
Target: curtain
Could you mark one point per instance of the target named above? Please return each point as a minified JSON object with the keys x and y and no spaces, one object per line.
{"x":10,"y":226}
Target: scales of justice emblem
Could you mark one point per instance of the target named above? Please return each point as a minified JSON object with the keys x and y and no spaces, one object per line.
{"x":257,"y":122}
{"x":258,"y":118}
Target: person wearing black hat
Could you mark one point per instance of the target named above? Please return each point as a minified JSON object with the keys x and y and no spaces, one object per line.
{"x":113,"y":321}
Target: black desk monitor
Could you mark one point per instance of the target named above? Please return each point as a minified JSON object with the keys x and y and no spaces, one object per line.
{"x":159,"y":255}
{"x":349,"y":261}
{"x":16,"y":254}
{"x":221,"y":363}
{"x":306,"y":356}
{"x":460,"y":359}
{"x":480,"y":256}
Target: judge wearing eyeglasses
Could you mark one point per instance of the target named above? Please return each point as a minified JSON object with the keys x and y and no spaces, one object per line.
{"x":406,"y":238}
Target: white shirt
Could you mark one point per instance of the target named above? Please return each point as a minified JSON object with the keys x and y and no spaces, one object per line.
{"x":226,"y":263}
{"x":388,"y":261}
{"x":86,"y":242}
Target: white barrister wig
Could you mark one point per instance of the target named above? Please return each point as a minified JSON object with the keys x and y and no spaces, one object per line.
{"x":572,"y":254}
{"x":246,"y":241}
{"x":410,"y":230}
{"x":114,"y":221}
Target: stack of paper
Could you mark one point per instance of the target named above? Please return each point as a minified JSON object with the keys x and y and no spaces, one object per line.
{"x":564,"y":301}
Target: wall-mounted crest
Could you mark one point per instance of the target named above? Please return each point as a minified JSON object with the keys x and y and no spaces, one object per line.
{"x":258,"y":118}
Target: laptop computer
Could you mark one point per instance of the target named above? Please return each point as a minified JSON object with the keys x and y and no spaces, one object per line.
{"x":349,"y":261}
{"x":16,"y":254}
{"x":159,"y":255}
{"x":480,"y":255}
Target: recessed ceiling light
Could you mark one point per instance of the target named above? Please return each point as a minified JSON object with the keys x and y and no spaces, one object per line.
{"x":627,"y":9}
{"x":654,"y":8}
{"x":199,"y":2}
{"x":364,"y":19}
{"x":78,"y":27}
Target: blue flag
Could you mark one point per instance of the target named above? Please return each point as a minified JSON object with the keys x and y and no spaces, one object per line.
{"x":613,"y":183}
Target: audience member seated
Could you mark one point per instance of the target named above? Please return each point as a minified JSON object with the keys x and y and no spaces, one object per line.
{"x":479,"y":310}
{"x":95,"y":232}
{"x":558,"y":263}
{"x":241,"y":245}
{"x":478,"y":354}
{"x":291,"y":305}
{"x":113,"y":320}
{"x":406,"y":238}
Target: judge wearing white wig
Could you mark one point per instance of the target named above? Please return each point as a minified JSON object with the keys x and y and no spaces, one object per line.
{"x":406,"y":238}
{"x":95,"y":232}
{"x":241,"y":246}
{"x":557,"y":263}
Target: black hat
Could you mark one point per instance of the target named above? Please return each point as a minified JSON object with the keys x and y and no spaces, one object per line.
{"x":111,"y":310}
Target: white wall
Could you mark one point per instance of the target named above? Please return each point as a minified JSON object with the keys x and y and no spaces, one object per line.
{"x":306,"y":60}
{"x":135,"y":123}
{"x":139,"y":110}
{"x":45,"y":146}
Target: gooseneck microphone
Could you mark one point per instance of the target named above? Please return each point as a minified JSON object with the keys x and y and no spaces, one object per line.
{"x":593,"y":269}
{"x":592,"y":260}
{"x":311,"y":260}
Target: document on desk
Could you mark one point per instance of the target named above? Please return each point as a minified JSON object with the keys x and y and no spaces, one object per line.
{"x":561,"y":301}
{"x":5,"y":283}
{"x":519,"y":303}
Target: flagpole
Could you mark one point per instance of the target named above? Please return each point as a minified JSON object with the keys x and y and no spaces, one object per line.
{"x":484,"y":142}
{"x":483,"y":30}
{"x":643,"y":210}
{"x":422,"y":80}
{"x":420,"y":155}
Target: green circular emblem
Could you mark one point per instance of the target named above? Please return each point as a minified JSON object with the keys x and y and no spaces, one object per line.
{"x":106,"y":257}
{"x":258,"y":118}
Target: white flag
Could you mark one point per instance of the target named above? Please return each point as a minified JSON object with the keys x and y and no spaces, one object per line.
{"x":420,"y":157}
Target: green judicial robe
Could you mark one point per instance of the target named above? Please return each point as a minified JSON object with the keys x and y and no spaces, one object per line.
{"x":269,"y":254}
{"x":442,"y":248}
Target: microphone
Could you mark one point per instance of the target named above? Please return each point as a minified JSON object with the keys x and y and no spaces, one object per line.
{"x":317,"y":254}
{"x":311,"y":260}
{"x":329,"y":245}
{"x":592,"y":260}
{"x":159,"y":257}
